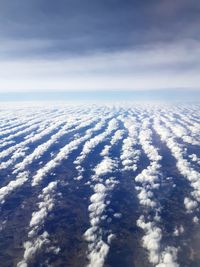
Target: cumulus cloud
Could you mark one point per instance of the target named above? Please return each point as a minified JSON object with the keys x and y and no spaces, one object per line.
{"x":97,"y":247}
{"x":11,"y":186}
{"x":107,"y":165}
{"x":44,"y":207}
{"x":130,"y":155}
{"x":137,"y":138}
{"x":40,"y":150}
{"x":93,"y":142}
{"x":20,"y":147}
{"x":63,"y":153}
{"x":34,"y":247}
{"x":37,"y":242}
{"x":148,"y":181}
{"x":190,"y":204}
{"x":21,"y":124}
{"x":151,"y":241}
{"x":178,"y":230}
{"x":183,"y":165}
{"x":179,"y":131}
{"x":168,"y":258}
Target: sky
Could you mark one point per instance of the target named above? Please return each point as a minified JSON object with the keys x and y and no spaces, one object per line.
{"x":99,"y":45}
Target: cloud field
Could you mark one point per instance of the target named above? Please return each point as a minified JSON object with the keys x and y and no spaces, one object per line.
{"x":86,"y":184}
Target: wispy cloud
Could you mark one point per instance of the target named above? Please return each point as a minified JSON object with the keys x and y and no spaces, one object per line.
{"x":173,"y":65}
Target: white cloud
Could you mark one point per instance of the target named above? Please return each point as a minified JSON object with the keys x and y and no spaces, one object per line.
{"x":93,"y":142}
{"x":18,"y":149}
{"x":11,"y":186}
{"x":34,"y":247}
{"x":148,"y":181}
{"x":40,"y":150}
{"x":182,"y":164}
{"x":97,"y":248}
{"x":190,"y":204}
{"x":64,"y":152}
{"x":130,"y":155}
{"x":168,"y":258}
{"x":36,"y":242}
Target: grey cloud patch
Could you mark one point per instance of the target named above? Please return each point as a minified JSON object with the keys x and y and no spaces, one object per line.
{"x":76,"y":26}
{"x":36,"y":35}
{"x":177,"y":64}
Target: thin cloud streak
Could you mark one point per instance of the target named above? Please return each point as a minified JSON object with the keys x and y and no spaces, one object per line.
{"x":161,"y":66}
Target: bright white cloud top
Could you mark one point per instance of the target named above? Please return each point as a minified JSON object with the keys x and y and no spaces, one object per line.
{"x":110,"y":179}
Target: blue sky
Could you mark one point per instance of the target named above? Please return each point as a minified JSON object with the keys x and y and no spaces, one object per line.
{"x":90,"y":45}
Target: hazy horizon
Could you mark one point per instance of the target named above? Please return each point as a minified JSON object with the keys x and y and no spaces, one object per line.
{"x":173,"y":96}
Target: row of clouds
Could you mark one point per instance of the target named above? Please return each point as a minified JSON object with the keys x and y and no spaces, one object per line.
{"x":38,"y":217}
{"x":23,"y":176}
{"x":33,"y":246}
{"x":28,"y":120}
{"x":41,"y":149}
{"x":38,"y":241}
{"x":183,"y":165}
{"x":15,"y":126}
{"x":55,"y":122}
{"x":180,"y":131}
{"x":151,"y":241}
{"x":21,"y":121}
{"x":93,"y":142}
{"x":65,"y":152}
{"x":6,"y":190}
{"x":190,"y":123}
{"x":190,"y":116}
{"x":102,"y":182}
{"x":98,"y":247}
{"x":20,"y":148}
{"x":147,"y":182}
{"x":130,"y":154}
{"x":39,"y":126}
{"x":30,"y":128}
{"x":118,"y":135}
{"x":189,"y":133}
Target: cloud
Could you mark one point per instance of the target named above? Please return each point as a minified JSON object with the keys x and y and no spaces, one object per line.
{"x":34,"y":247}
{"x":180,"y":131}
{"x":118,"y":135}
{"x":11,"y":186}
{"x":168,"y":258}
{"x":41,"y":149}
{"x":140,"y":124}
{"x":147,"y":182}
{"x":190,"y":204}
{"x":178,"y":230}
{"x":177,"y":65}
{"x":130,"y":155}
{"x":44,"y":207}
{"x":107,"y":165}
{"x":18,"y":149}
{"x":182,"y":164}
{"x":93,"y":142}
{"x":38,"y":242}
{"x":64,"y":152}
{"x":97,"y":247}
{"x":151,"y":241}
{"x":33,"y":127}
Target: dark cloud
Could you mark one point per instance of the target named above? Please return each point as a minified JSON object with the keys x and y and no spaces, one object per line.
{"x":99,"y":44}
{"x":76,"y":26}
